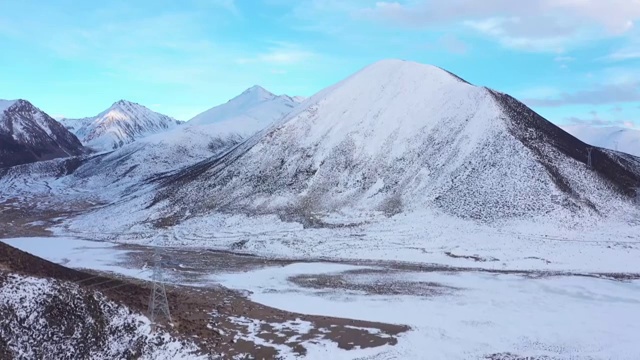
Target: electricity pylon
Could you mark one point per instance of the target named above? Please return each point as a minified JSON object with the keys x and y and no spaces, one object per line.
{"x":589,"y":162}
{"x":158,"y":302}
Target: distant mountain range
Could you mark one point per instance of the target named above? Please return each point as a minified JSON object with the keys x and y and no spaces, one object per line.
{"x":395,"y":138}
{"x":610,"y":137}
{"x":166,"y":145}
{"x":28,"y":134}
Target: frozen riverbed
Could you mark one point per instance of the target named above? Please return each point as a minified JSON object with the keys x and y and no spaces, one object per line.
{"x":453,"y":314}
{"x":557,"y":317}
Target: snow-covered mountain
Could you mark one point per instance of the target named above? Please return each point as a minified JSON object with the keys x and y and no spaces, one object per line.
{"x":122,"y":123}
{"x":247,"y":113}
{"x":128,"y":167}
{"x":400,"y":136}
{"x":28,"y":134}
{"x":224,"y":127}
{"x":610,"y":137}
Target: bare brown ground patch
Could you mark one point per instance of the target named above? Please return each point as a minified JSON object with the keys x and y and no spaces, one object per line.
{"x":22,"y":218}
{"x":382,"y":282}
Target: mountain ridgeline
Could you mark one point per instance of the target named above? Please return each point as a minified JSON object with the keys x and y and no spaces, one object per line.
{"x":400,"y":136}
{"x":395,"y":137}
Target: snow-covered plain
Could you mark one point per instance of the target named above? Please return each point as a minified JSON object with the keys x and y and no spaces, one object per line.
{"x":605,"y":246}
{"x":560,"y":317}
{"x":543,"y":318}
{"x":80,"y":254}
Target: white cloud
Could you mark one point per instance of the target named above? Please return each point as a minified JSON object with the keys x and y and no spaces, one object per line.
{"x":535,"y":25}
{"x":598,"y":121}
{"x":598,"y":95}
{"x":629,"y":53}
{"x":281,"y":54}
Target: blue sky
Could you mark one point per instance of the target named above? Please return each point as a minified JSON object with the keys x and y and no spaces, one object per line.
{"x":571,"y":60}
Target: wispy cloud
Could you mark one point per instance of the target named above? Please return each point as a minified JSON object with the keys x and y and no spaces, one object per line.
{"x":628,"y":53}
{"x":229,"y":5}
{"x":282,"y":54}
{"x":453,"y":44}
{"x":598,"y":121}
{"x":534,"y":25}
{"x":602,"y":94}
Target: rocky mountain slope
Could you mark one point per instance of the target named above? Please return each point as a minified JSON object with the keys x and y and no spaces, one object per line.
{"x":122,"y":123}
{"x":610,"y":137}
{"x":400,"y":136}
{"x":51,"y":312}
{"x":27,"y":134}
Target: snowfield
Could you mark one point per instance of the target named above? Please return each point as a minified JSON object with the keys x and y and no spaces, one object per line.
{"x":425,"y":237}
{"x":545,"y":318}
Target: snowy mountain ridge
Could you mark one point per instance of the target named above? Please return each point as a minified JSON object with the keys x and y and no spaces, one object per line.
{"x":610,"y":137}
{"x":28,"y":134}
{"x":244,"y":115}
{"x":400,"y":136}
{"x":122,"y":123}
{"x":128,"y":167}
{"x":5,"y":104}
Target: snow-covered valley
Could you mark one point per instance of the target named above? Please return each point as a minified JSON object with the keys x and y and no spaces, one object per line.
{"x":402,"y":195}
{"x":453,"y":313}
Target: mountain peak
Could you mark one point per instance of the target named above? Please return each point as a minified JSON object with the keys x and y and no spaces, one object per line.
{"x":123,"y":102}
{"x":123,"y":122}
{"x":256,"y":93}
{"x":424,"y":71}
{"x":28,"y":134}
{"x":247,"y":113}
{"x":19,"y":105}
{"x":257,"y":88}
